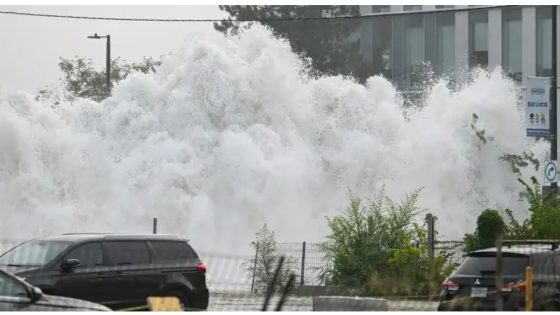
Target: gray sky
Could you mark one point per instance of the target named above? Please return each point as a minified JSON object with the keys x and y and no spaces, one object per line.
{"x":30,"y":46}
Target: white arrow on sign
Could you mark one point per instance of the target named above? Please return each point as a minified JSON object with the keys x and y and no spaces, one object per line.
{"x":550,"y":172}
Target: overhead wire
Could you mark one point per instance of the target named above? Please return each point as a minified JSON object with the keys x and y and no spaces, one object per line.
{"x":173,"y":20}
{"x":287,"y":19}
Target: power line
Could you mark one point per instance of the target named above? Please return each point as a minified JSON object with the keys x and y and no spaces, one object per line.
{"x":346,"y":17}
{"x":173,"y":20}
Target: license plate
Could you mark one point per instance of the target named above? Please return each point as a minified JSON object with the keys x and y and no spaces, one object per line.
{"x":479,"y":292}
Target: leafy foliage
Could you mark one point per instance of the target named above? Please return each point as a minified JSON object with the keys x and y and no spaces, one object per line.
{"x":518,"y":161}
{"x":82,"y":80}
{"x":326,"y":42}
{"x":381,"y":241}
{"x":489,"y":225}
{"x":480,"y":133}
{"x":545,"y":212}
{"x":263,"y":265}
{"x":542,"y":224}
{"x":516,"y":230}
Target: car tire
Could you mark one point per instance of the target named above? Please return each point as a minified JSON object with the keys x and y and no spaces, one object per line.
{"x":183,"y":299}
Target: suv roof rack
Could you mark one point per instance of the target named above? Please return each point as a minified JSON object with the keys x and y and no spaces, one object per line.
{"x":86,"y":233}
{"x":554,"y":244}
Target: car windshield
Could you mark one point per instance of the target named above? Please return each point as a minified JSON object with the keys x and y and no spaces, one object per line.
{"x":486,"y":265}
{"x":33,"y":253}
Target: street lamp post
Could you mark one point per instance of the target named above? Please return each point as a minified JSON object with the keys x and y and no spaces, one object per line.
{"x":108,"y":60}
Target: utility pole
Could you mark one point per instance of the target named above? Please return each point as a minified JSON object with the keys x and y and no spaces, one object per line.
{"x":108,"y":66}
{"x":554,"y":100}
{"x":107,"y":61}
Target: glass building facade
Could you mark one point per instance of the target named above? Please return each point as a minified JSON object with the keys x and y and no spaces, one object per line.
{"x":400,"y":41}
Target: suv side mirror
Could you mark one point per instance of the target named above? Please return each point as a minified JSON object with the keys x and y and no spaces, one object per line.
{"x":35,"y":294}
{"x":69,"y":264}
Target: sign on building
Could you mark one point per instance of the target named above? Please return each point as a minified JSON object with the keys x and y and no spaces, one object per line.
{"x":536,"y":97}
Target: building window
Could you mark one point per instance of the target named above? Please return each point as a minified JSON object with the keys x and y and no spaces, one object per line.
{"x":382,"y":37}
{"x":478,"y":38}
{"x":445,"y":6}
{"x":397,"y":55}
{"x":544,"y":41}
{"x":445,"y":43}
{"x":511,"y":43}
{"x":412,"y":8}
{"x":413,"y":48}
{"x":380,"y":8}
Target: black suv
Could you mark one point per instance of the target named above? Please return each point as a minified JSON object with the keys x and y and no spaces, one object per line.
{"x":118,"y":271}
{"x":473,"y":285}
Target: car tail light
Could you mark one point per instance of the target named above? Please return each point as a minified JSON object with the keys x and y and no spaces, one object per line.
{"x":202,"y":267}
{"x":450,"y":285}
{"x":520,"y":286}
{"x":512,"y":286}
{"x":508,"y":287}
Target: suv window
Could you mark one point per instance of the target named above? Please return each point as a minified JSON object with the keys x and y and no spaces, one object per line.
{"x":89,"y":255}
{"x":482,"y":265}
{"x":543,"y":264}
{"x":127,"y":252}
{"x":34,"y":253}
{"x":170,"y":251}
{"x":10,"y":287}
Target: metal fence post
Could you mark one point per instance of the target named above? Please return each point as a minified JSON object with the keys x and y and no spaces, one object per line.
{"x":431,"y":235}
{"x":254,"y":268}
{"x":155,"y":226}
{"x":529,"y":289}
{"x":303,"y":265}
{"x":499,"y":280}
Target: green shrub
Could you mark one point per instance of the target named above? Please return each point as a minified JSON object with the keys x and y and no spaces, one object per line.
{"x":378,"y":249}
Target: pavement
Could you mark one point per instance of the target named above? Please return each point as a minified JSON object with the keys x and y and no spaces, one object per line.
{"x":253,"y":302}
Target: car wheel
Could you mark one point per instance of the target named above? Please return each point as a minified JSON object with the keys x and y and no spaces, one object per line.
{"x":183,"y":300}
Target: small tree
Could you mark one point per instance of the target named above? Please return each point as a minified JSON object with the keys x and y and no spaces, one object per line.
{"x":489,"y":225}
{"x":82,"y":80}
{"x":266,"y":261}
{"x":329,"y":44}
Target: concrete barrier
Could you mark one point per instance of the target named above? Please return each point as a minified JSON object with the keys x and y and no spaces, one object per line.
{"x":346,"y":303}
{"x":317,"y":290}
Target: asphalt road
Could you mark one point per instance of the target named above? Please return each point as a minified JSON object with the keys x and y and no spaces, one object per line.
{"x":248,"y":302}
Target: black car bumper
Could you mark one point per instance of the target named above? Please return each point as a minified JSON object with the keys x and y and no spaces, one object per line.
{"x":199,"y":299}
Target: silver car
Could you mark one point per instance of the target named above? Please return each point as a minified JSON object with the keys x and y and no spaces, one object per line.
{"x":18,"y":295}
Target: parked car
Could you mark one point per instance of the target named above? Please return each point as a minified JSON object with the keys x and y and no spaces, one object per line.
{"x":18,"y":295}
{"x":473,"y":285}
{"x":118,"y":271}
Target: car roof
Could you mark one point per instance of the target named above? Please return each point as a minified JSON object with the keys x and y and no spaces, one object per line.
{"x":80,"y":237}
{"x":529,"y":250}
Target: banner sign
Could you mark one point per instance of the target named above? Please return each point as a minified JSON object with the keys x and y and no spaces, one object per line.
{"x":536,"y":98}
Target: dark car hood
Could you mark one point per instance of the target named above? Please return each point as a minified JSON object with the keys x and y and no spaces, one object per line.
{"x":71,"y":304}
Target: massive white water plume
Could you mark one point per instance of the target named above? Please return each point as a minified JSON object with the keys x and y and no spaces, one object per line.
{"x":231,"y":133}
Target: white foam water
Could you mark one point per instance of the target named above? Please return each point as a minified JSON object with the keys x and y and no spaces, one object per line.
{"x":232,"y":132}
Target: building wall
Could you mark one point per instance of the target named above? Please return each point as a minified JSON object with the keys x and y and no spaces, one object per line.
{"x":398,"y":39}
